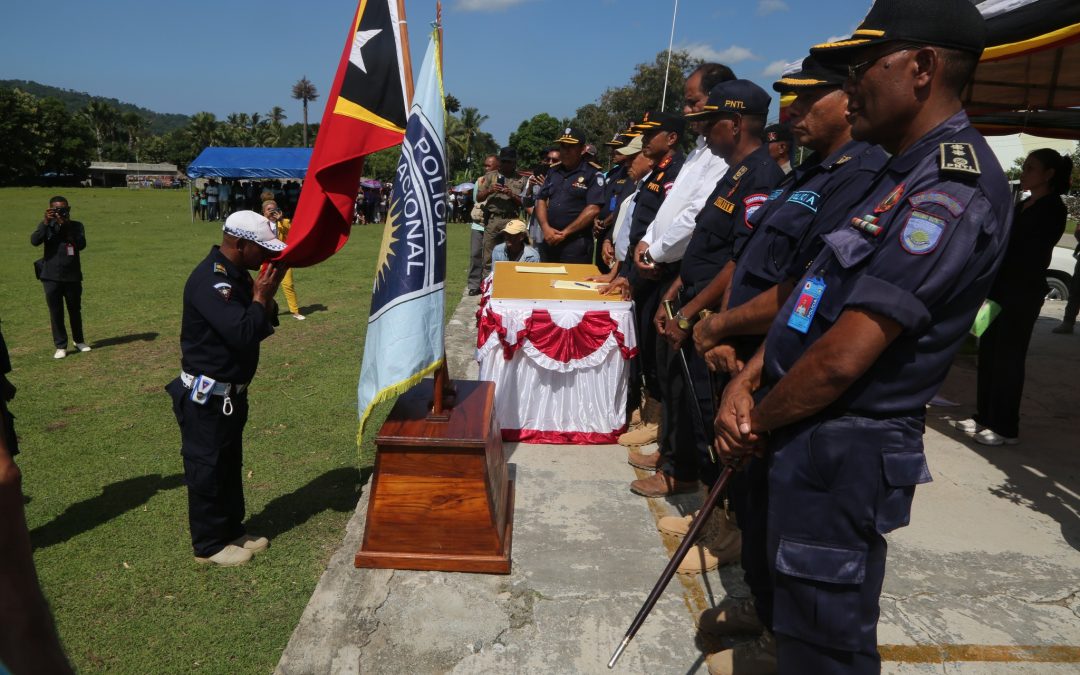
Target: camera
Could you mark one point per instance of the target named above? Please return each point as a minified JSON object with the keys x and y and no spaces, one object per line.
{"x":502,"y":180}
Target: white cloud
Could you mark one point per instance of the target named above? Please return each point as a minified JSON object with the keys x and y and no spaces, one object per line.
{"x":775,"y":69}
{"x":769,"y":6}
{"x":733,"y":54}
{"x":487,"y":5}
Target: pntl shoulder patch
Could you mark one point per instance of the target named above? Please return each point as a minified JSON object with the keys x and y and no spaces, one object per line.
{"x":752,"y":204}
{"x":960,"y":158}
{"x":220,"y":269}
{"x":225,"y":289}
{"x":951,"y":204}
{"x":921,"y":233}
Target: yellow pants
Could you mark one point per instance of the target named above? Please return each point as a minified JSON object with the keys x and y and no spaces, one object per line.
{"x":290,"y":292}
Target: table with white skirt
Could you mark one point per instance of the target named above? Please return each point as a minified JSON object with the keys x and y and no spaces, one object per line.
{"x":558,"y":357}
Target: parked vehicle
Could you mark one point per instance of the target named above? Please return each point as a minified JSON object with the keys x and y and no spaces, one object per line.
{"x":1059,"y":274}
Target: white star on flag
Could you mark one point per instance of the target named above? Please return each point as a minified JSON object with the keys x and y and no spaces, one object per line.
{"x":359,"y":41}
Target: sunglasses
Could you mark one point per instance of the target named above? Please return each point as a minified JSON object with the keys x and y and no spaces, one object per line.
{"x":856,"y":71}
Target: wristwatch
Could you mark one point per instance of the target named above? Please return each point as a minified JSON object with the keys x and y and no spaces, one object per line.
{"x":682,"y":321}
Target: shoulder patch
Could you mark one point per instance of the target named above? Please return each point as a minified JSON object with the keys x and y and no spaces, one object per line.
{"x":740,"y":173}
{"x":752,"y":204}
{"x":225,"y":289}
{"x":843,"y":160}
{"x":806,"y":198}
{"x":960,"y":158}
{"x":951,"y":204}
{"x":220,"y":269}
{"x":776,"y":193}
{"x":921,"y":233}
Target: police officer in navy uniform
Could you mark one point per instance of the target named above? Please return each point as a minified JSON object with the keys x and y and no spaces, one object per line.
{"x":810,"y":201}
{"x":568,"y":203}
{"x":735,"y":116}
{"x":869,"y":334}
{"x":226,"y":315}
{"x":617,"y":186}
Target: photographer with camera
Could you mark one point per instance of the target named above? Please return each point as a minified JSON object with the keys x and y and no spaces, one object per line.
{"x":500,"y":191}
{"x":61,"y":273}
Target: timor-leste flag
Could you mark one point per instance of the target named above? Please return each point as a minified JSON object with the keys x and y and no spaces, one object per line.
{"x":365,"y":112}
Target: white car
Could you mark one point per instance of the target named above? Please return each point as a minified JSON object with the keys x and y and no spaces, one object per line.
{"x":1059,"y":274}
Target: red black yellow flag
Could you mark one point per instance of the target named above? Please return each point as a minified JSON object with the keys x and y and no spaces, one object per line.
{"x":365,"y":112}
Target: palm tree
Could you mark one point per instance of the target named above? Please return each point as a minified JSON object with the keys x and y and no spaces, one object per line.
{"x":134,"y":125}
{"x":304,"y":91}
{"x":102,"y":118}
{"x":276,"y":115}
{"x":462,"y":131}
{"x":203,"y":130}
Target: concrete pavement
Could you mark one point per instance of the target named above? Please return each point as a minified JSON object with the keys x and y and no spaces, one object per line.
{"x":986,"y":579}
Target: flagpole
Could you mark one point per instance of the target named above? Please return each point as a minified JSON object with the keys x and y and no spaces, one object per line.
{"x":667,"y":68}
{"x":406,"y":54}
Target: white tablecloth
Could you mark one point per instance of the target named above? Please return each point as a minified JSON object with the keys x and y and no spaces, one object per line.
{"x":559,"y":367}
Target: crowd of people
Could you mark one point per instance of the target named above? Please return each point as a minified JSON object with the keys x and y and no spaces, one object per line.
{"x":807,"y":314}
{"x":216,"y":199}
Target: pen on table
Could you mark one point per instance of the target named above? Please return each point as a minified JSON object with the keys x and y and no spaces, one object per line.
{"x":578,"y":283}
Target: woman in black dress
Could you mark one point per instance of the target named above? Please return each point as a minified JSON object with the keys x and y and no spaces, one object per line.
{"x":1020,"y":287}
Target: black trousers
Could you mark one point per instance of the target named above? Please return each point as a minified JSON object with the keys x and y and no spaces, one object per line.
{"x":749,"y":495}
{"x":575,"y":250}
{"x":1002,"y":356}
{"x":213,"y":457}
{"x":57,"y":293}
{"x":1072,"y":307}
{"x":684,"y":443}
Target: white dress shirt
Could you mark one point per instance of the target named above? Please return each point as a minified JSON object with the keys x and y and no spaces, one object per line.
{"x":669,"y":233}
{"x":620,"y":235}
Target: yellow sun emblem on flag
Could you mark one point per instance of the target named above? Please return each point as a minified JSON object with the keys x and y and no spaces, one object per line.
{"x":382,"y":265}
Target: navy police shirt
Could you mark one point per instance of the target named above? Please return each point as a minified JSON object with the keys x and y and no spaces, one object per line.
{"x":813,"y":199}
{"x":221,"y":327}
{"x":922,"y":249}
{"x":728,"y":209}
{"x":614,"y":181}
{"x":569,"y":191}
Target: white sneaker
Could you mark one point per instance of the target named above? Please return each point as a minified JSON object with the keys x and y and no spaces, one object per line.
{"x":989,"y":437}
{"x":298,"y":316}
{"x":60,"y":353}
{"x":82,"y":346}
{"x":968,"y":426}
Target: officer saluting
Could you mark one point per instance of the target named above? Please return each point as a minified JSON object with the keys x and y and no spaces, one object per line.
{"x":226,"y":315}
{"x":568,"y":202}
{"x":869,"y":334}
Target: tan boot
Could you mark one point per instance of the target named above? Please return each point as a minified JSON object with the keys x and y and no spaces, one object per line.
{"x":718,"y":528}
{"x":643,"y":435}
{"x":652,"y":411}
{"x":748,"y":658}
{"x":251,"y":542}
{"x":649,"y":462}
{"x":635,"y":420}
{"x":230,"y":556}
{"x":697,"y":560}
{"x":731,"y":618}
{"x":661,"y":484}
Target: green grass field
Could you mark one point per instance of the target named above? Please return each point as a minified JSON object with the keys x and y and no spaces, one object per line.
{"x":101,"y":464}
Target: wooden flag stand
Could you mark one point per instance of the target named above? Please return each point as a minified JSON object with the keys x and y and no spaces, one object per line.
{"x":440,"y":497}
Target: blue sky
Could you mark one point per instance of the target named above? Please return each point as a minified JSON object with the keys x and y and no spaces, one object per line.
{"x":510,"y":58}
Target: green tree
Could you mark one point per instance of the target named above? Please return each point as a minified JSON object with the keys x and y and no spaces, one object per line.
{"x":202,"y":132}
{"x":103,"y":120}
{"x":453,"y":105}
{"x":17,"y":122}
{"x":134,"y":125}
{"x":66,"y":141}
{"x":305,"y":91}
{"x":533,"y":137}
{"x":382,"y":164}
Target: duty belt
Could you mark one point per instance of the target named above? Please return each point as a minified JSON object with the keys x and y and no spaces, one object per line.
{"x":220,"y":388}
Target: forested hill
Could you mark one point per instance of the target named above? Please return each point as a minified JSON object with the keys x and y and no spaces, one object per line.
{"x":74,"y":101}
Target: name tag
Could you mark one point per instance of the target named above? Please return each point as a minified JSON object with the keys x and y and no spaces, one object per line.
{"x":70,"y":249}
{"x":807,"y":304}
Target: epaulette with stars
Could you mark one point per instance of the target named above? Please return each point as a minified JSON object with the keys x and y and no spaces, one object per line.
{"x":959,"y":158}
{"x":220,"y":269}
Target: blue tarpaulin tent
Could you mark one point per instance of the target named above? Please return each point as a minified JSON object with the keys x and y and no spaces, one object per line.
{"x":250,"y":163}
{"x":283,"y":163}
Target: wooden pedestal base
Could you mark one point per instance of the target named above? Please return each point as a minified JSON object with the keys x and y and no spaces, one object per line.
{"x":440,"y":495}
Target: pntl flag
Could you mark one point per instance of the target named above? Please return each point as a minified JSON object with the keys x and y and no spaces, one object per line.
{"x":405,"y":330}
{"x":365,"y":112}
